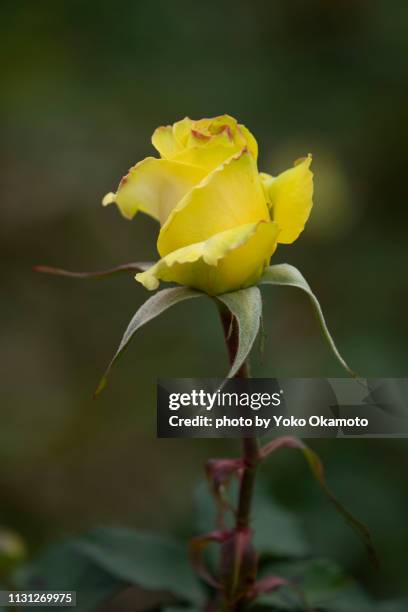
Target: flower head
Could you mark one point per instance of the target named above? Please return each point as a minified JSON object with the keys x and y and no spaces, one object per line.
{"x":221,"y":220}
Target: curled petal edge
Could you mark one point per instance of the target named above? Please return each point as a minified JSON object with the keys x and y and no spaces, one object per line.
{"x":209,"y":252}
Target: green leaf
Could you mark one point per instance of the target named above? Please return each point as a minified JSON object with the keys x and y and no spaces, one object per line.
{"x":277,"y":531}
{"x":154,"y":562}
{"x":287,"y":275}
{"x":64,"y":568}
{"x":130,"y":267}
{"x":177,"y":609}
{"x":105,"y":561}
{"x":3,"y":587}
{"x":324,"y":585}
{"x":362,"y":530}
{"x":152,"y":308}
{"x":246,"y":306}
{"x":317,"y":469}
{"x":393,"y":606}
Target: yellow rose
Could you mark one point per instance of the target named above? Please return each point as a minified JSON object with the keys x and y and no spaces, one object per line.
{"x":221,"y":220}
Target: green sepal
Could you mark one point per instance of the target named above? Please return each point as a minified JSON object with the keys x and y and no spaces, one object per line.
{"x":151,"y":309}
{"x":246,"y":306}
{"x":287,"y":275}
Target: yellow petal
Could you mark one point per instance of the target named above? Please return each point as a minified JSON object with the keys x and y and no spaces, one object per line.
{"x":213,"y":141}
{"x":207,"y":158}
{"x":154,"y":186}
{"x":227,"y":261}
{"x":231,"y":195}
{"x":206,"y":143}
{"x":226,"y":130}
{"x":267,"y":180}
{"x":251,"y":143}
{"x":169,"y":140}
{"x":290,"y":197}
{"x":182,"y":129}
{"x":164,"y":142}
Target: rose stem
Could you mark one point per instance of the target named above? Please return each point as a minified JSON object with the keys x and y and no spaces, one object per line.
{"x":250,"y":446}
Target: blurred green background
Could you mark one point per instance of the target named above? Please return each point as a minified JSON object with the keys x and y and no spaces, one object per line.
{"x":84,"y":84}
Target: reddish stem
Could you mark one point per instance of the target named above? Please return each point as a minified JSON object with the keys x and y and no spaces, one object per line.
{"x":250,"y":446}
